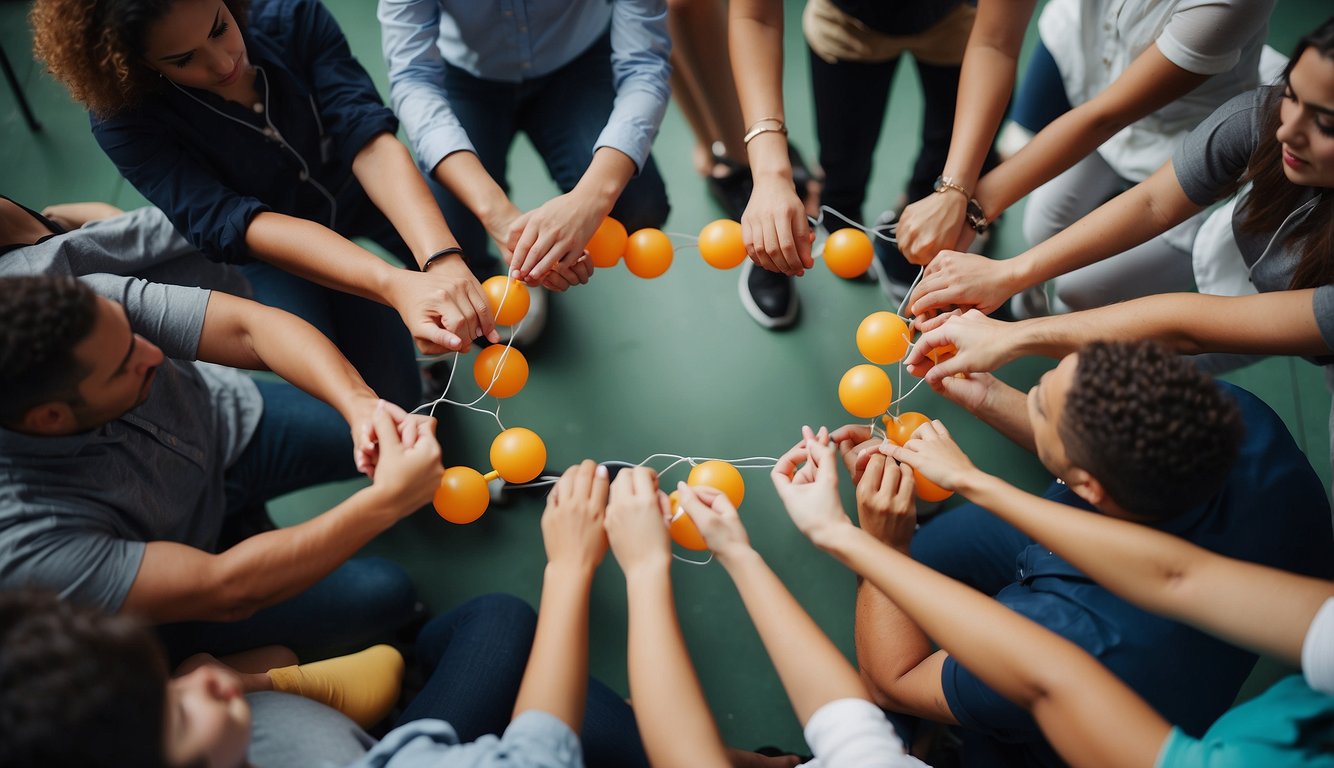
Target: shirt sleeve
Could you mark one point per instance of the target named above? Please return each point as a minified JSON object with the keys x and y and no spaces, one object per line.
{"x":976,"y":706}
{"x":1318,"y":650}
{"x":854,"y":733}
{"x":350,"y":108}
{"x":211,"y":215}
{"x":170,"y":316}
{"x":1207,"y":36}
{"x":1213,"y":157}
{"x":641,"y":72}
{"x":533,"y":740}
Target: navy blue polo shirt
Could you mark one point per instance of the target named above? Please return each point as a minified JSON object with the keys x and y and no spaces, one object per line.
{"x":1272,"y":511}
{"x":211,"y":165}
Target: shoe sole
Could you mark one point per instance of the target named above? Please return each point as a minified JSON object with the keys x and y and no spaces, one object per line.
{"x":756,"y":314}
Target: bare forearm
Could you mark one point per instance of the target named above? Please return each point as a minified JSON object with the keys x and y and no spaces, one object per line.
{"x":464,"y":176}
{"x":606,"y":177}
{"x":813,"y":671}
{"x":755,"y":40}
{"x":556,"y":679}
{"x":674,"y":720}
{"x":889,"y":644}
{"x":1005,"y":409}
{"x":318,"y":254}
{"x":387,"y":173}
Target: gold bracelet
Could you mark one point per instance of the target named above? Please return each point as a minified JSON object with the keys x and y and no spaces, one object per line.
{"x":756,"y":129}
{"x":945,"y":182}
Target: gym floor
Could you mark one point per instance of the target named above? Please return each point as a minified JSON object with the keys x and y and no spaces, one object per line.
{"x":628,"y":368}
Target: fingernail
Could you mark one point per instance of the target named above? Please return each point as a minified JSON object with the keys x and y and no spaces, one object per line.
{"x":601,"y":471}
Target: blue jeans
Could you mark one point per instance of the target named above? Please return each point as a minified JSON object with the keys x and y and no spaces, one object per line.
{"x":476,"y":656}
{"x":562,"y":113}
{"x":1040,"y":94}
{"x":302,"y":442}
{"x":370,"y":335}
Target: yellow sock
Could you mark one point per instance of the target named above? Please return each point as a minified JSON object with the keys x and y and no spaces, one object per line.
{"x":363,"y":686}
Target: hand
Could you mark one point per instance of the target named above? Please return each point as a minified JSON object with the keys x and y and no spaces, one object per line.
{"x":572,"y":523}
{"x":444,"y":308}
{"x":964,"y":280}
{"x":567,"y":273}
{"x":934,"y":453}
{"x":408,"y":470}
{"x":980,"y":343}
{"x":774,"y":227}
{"x":810,"y":494}
{"x":498,"y":222}
{"x":886,"y":508}
{"x":972,"y":391}
{"x":855,"y":445}
{"x":933,"y":224}
{"x":75,"y":215}
{"x":360,"y":417}
{"x":552,"y":235}
{"x":716,"y":519}
{"x":637,"y":516}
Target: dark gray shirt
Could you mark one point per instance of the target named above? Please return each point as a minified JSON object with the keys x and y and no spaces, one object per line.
{"x":1211,"y":160}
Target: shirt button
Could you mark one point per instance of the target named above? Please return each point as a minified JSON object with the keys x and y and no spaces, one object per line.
{"x":269,"y":132}
{"x":259,"y":108}
{"x":303,"y":175}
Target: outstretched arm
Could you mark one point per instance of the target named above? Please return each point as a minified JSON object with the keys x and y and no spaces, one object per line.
{"x":673,"y":718}
{"x":1232,"y":599}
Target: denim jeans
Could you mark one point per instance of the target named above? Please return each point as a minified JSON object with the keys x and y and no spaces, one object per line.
{"x":1040,"y":94}
{"x":371,"y":336}
{"x":302,"y":442}
{"x":562,"y":113}
{"x":476,"y":656}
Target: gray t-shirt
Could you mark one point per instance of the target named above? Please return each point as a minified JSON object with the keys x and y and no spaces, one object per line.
{"x":1211,"y":160}
{"x":76,"y":511}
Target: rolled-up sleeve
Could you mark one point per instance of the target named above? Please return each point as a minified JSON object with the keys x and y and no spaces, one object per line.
{"x":409,"y":30}
{"x":212,"y":216}
{"x":641,"y":72}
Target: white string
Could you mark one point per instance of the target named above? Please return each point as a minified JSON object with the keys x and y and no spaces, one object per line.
{"x":875,"y":231}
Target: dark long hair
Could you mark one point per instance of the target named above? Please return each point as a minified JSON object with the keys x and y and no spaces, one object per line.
{"x":1273,"y":197}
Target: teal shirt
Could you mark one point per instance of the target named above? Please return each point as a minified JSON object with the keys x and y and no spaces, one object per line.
{"x":1287,"y":725}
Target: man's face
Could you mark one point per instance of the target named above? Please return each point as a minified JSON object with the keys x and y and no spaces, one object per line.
{"x":121,"y":366}
{"x":1046,"y":405}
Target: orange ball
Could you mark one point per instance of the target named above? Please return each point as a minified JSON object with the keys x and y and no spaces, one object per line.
{"x":848,"y":253}
{"x":461,"y":497}
{"x":940,"y":354}
{"x":513,"y":373}
{"x":516,"y":303}
{"x":683,"y":529}
{"x":865,"y":391}
{"x":899,"y":430}
{"x":927,"y":490}
{"x":720,"y":475}
{"x":608,"y":243}
{"x":721,"y":245}
{"x":518,"y":454}
{"x":648,"y":253}
{"x":883,"y":338}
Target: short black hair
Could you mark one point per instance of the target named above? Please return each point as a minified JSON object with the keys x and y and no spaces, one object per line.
{"x":42,"y":319}
{"x":78,"y":687}
{"x":1158,"y":433}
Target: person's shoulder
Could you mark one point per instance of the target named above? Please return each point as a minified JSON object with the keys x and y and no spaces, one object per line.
{"x":282,"y":20}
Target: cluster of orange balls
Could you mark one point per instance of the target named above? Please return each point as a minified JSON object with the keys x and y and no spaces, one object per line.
{"x":866,"y":391}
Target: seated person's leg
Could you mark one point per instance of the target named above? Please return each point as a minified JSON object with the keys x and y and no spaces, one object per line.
{"x":972,"y":545}
{"x":610,"y":736}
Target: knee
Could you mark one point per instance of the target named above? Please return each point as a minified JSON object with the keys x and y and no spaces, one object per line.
{"x":1073,"y":293}
{"x":382,"y":593}
{"x":1038,"y":223}
{"x":504,"y":610}
{"x":643,"y":203}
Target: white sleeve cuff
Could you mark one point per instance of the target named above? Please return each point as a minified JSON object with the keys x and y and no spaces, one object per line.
{"x":854,"y":733}
{"x":1318,"y":650}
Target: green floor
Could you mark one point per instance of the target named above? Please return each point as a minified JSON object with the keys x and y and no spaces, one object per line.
{"x":629,"y":368}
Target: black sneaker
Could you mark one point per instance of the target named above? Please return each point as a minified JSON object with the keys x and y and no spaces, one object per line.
{"x":769,"y":297}
{"x":731,"y":191}
{"x":891,"y":270}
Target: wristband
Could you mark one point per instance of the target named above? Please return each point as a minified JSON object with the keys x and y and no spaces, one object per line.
{"x":433,"y":258}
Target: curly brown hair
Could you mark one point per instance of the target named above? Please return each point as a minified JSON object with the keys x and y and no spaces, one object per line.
{"x":96,"y":47}
{"x":1158,"y":433}
{"x":42,"y":319}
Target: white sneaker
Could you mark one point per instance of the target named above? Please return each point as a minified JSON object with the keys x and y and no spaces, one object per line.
{"x":529,"y":329}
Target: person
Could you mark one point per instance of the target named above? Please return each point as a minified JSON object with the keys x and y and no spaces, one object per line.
{"x":1138,"y":77}
{"x":264,"y":141}
{"x":1134,"y":432}
{"x":842,"y":726}
{"x":174,"y":460}
{"x":587,"y":82}
{"x":1069,"y":693}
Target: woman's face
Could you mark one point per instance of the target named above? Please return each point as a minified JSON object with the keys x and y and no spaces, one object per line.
{"x":1306,"y":121}
{"x":197,"y":44}
{"x":207,"y":717}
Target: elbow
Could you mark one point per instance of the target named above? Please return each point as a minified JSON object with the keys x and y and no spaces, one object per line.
{"x":233,"y":597}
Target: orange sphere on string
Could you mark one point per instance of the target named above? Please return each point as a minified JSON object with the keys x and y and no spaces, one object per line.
{"x":927,"y":490}
{"x":721,"y":245}
{"x":682,"y":528}
{"x":648,"y":253}
{"x":899,"y":429}
{"x":461,"y":497}
{"x":883,"y":337}
{"x":865,"y":391}
{"x":513,"y":372}
{"x":518,"y":454}
{"x":848,"y":253}
{"x":608,"y":243}
{"x":515,"y":304}
{"x":941,"y":354}
{"x":720,"y":475}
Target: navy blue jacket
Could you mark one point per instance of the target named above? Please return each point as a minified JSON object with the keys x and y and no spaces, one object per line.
{"x":211,"y":165}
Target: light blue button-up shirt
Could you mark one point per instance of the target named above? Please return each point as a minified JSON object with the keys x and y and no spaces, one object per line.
{"x":516,"y":40}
